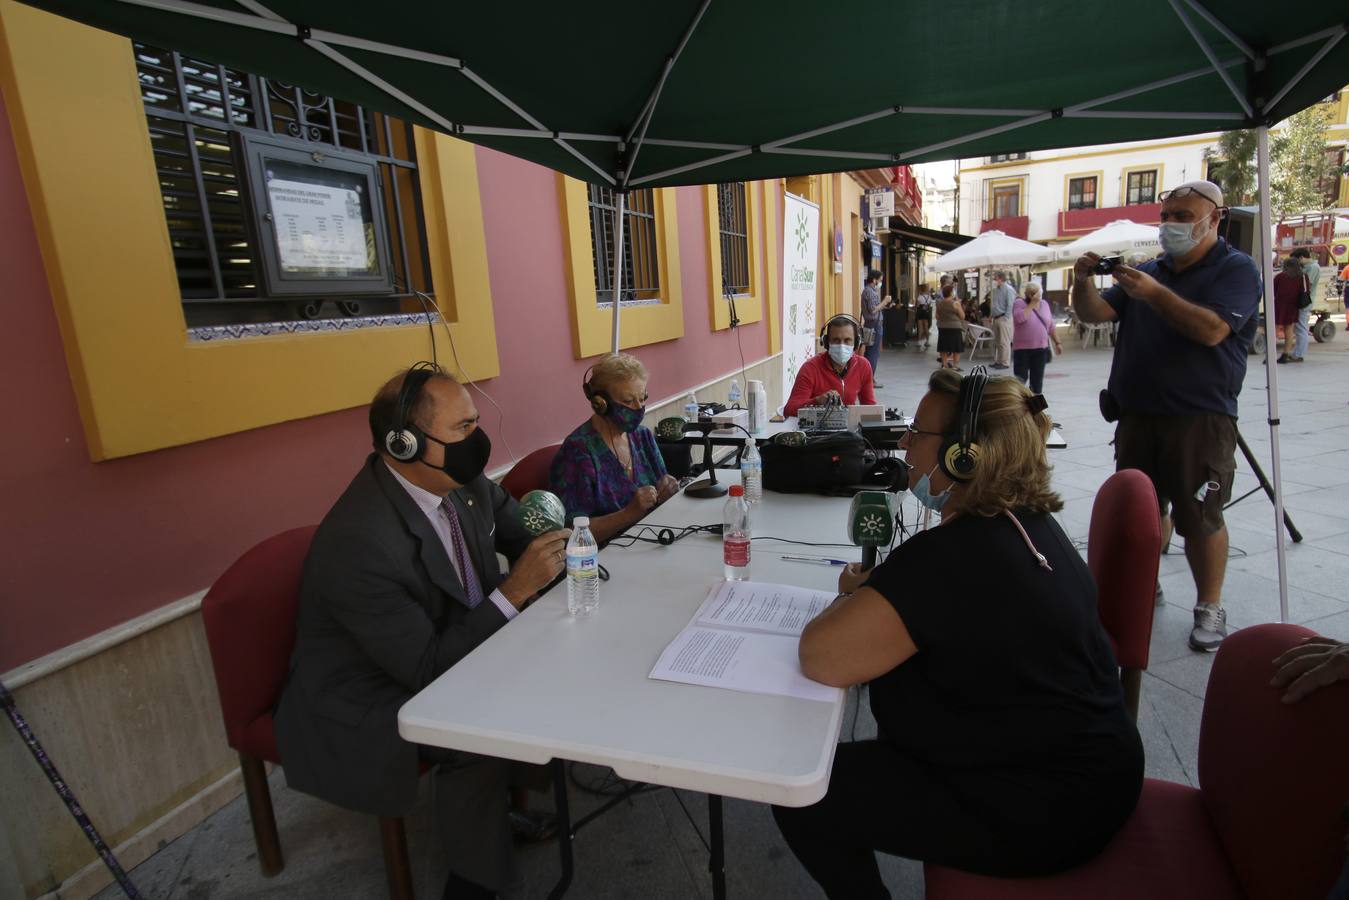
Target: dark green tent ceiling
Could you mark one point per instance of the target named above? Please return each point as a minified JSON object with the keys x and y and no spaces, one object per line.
{"x":944,"y":79}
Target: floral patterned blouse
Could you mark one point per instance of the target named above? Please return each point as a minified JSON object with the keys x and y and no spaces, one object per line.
{"x":590,"y":480}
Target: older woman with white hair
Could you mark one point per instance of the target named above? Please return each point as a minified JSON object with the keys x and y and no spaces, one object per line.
{"x":610,"y":467}
{"x":1004,"y":746}
{"x":1033,"y":325}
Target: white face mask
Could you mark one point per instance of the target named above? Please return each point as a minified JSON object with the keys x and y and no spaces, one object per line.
{"x":840,"y":353}
{"x":1178,"y":238}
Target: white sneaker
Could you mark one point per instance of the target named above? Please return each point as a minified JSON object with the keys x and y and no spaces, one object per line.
{"x":1210,"y":627}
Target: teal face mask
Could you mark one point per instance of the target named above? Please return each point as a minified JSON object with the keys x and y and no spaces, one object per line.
{"x":840,"y":353}
{"x":922,"y":492}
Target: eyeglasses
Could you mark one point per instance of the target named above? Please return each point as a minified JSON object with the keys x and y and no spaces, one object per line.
{"x":1181,"y":193}
{"x":911,"y":430}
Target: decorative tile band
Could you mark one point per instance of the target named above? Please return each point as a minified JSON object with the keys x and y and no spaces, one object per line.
{"x":306,"y":326}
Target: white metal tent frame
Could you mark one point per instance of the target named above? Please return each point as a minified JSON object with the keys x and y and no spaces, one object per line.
{"x":259,"y":17}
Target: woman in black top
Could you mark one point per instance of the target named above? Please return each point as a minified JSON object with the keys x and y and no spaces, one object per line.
{"x":1004,"y":746}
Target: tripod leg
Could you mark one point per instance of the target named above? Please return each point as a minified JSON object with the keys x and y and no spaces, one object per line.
{"x":1269,"y":489}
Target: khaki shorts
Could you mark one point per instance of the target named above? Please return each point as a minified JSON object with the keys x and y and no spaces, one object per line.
{"x":1184,"y":456}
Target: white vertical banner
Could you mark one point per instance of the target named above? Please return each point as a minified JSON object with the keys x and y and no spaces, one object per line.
{"x":800,"y":277}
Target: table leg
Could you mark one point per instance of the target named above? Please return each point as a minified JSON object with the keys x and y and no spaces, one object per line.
{"x":564,"y":830}
{"x":716,"y":864}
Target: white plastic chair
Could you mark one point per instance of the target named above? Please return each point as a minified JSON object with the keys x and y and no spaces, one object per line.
{"x":978,"y":336}
{"x":1103,"y":332}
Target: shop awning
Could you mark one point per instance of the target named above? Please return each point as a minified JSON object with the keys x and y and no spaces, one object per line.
{"x":941,"y":241}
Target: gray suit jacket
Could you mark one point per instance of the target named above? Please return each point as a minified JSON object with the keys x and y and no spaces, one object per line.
{"x":381,"y":615}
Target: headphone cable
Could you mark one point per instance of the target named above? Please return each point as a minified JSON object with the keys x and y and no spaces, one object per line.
{"x":501,"y":415}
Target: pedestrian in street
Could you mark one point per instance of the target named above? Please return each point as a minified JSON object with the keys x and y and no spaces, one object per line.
{"x":1288,"y":287}
{"x":1301,"y":333}
{"x":923,"y":313}
{"x":872,"y":322}
{"x":1000,"y":309}
{"x":950,"y":329}
{"x":1186,"y":322}
{"x":1034,"y":332}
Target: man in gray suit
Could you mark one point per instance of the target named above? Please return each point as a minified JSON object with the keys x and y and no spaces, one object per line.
{"x":401,"y":582}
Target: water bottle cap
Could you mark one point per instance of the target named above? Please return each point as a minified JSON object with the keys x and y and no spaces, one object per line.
{"x":737,"y":490}
{"x":581,"y":521}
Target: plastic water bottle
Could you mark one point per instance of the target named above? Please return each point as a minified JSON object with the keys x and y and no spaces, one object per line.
{"x":691,"y":409}
{"x":735,"y":535}
{"x":751,"y":472}
{"x":758,"y":407}
{"x":583,"y":569}
{"x":733,"y":397}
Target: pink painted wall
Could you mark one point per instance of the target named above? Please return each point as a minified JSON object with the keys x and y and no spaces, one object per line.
{"x":540,"y":384}
{"x":88,"y":546}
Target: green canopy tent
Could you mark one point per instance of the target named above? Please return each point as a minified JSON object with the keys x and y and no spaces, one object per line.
{"x":690,"y":91}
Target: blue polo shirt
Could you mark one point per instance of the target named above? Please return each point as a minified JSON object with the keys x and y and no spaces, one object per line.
{"x":1159,"y":371}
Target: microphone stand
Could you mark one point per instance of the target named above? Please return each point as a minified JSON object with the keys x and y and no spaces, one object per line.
{"x":710,"y":489}
{"x":868,"y":557}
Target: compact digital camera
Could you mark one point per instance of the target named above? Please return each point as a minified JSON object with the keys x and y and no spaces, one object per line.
{"x":1106,"y":264}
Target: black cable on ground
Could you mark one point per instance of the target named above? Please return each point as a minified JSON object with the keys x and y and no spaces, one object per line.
{"x":63,"y":791}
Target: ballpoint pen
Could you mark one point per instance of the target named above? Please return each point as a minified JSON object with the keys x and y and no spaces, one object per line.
{"x":818,"y":560}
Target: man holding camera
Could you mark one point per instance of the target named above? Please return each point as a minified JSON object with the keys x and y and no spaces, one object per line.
{"x":1186,"y":320}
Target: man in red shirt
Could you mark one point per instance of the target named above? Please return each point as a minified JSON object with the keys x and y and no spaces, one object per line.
{"x":835,"y":374}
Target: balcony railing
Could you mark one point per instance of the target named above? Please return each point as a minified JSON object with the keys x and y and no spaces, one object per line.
{"x":1012,"y":226}
{"x":1077,"y":222}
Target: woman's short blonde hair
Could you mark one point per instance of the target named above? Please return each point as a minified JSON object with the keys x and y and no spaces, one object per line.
{"x":1031,"y":287}
{"x":1013,"y":470}
{"x":615,"y":369}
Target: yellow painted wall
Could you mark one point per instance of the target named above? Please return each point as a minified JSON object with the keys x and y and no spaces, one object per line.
{"x":592,"y":326}
{"x":140,"y":384}
{"x":748,"y":307}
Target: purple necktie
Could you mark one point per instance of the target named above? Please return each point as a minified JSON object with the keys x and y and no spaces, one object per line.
{"x":466,"y":573}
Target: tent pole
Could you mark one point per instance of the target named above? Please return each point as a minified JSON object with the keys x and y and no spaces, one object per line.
{"x":1266,"y":262}
{"x":620,"y":203}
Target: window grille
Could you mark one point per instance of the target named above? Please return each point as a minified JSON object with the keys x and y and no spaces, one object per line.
{"x":734,"y":223}
{"x":196,"y":112}
{"x":641,"y":274}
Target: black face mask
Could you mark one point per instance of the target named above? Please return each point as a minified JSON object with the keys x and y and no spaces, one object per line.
{"x":464,"y":460}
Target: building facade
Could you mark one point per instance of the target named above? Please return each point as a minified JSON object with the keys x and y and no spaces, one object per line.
{"x":1056,"y":196}
{"x":185,"y":388}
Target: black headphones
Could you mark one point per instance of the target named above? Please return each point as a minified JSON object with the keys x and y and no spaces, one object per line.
{"x":959,"y":455}
{"x":600,"y":401}
{"x":845,"y":319}
{"x":404,"y":440}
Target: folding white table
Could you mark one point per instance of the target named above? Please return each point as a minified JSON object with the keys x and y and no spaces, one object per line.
{"x":552,"y":687}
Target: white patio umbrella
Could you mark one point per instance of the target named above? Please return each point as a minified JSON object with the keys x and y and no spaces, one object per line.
{"x":992,"y":248}
{"x":1120,"y":236}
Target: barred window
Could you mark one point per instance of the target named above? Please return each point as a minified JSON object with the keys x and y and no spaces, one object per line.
{"x":641,"y":273}
{"x":1082,"y":193}
{"x":1006,"y":157}
{"x":734,"y":238}
{"x":200,"y":116}
{"x":1141,"y":188}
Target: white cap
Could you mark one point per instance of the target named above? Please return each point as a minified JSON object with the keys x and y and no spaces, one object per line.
{"x":1206,"y":189}
{"x":581,"y":521}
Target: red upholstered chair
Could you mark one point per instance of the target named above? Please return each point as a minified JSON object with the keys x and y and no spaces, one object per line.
{"x":1264,"y":823}
{"x":1123,"y":552}
{"x":249,"y":616}
{"x":530,"y":473}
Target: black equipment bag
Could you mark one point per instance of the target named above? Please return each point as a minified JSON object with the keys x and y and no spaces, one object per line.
{"x":828,"y":463}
